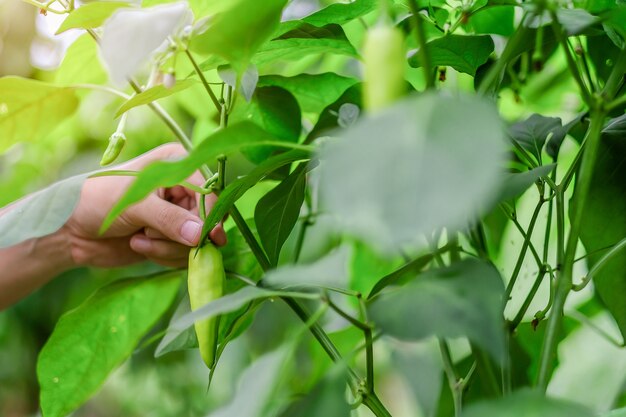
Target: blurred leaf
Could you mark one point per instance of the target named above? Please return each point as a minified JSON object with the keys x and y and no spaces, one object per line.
{"x":90,"y":15}
{"x":154,"y":93}
{"x":238,"y":257}
{"x":313,"y":91}
{"x":329,"y":118}
{"x":305,"y":40}
{"x":533,"y":132}
{"x":441,"y":165}
{"x":276,"y":111}
{"x":496,"y":20}
{"x":92,"y":340}
{"x":516,"y":184}
{"x":246,"y":85}
{"x":526,"y":403}
{"x":168,"y":174}
{"x":462,"y":300}
{"x":615,"y":413}
{"x":401,"y":275}
{"x":615,"y":128}
{"x":463,"y":53}
{"x":229,"y":303}
{"x":81,"y":64}
{"x":558,"y":135}
{"x":140,"y":31}
{"x":236,"y":33}
{"x":184,"y":340}
{"x":368,"y":269}
{"x":237,"y":188}
{"x":331,"y":271}
{"x":257,"y":385}
{"x":605,"y":225}
{"x":30,"y":109}
{"x":327,"y":398}
{"x":340,"y":13}
{"x":42,"y":213}
{"x":277,"y":212}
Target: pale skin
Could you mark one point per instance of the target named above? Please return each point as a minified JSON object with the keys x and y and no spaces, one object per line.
{"x":162,"y":228}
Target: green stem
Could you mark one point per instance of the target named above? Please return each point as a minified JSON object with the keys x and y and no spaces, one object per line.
{"x":207,"y":87}
{"x":453,"y":378}
{"x":423,"y":52}
{"x":598,"y":265}
{"x":529,"y":298}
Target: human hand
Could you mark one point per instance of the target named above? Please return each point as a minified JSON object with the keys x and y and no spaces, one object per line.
{"x":161,"y":227}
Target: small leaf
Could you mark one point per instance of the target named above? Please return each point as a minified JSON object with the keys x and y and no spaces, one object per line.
{"x":526,"y":403}
{"x":30,"y":109}
{"x":168,"y":174}
{"x":141,"y":32}
{"x":184,"y":340}
{"x":331,"y":271}
{"x":313,"y":91}
{"x":81,"y":64}
{"x":89,"y":342}
{"x":90,"y":15}
{"x":276,"y":111}
{"x":462,"y":300}
{"x":277,"y":212}
{"x":533,"y":132}
{"x":515,"y":184}
{"x":42,"y":213}
{"x":463,"y":53}
{"x":237,"y":188}
{"x":155,"y":93}
{"x":329,"y":118}
{"x":248,"y":81}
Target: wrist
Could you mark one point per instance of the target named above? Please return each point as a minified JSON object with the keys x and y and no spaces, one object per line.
{"x":55,"y":250}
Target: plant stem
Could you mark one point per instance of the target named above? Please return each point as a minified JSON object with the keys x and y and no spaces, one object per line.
{"x":207,"y":87}
{"x":420,"y":36}
{"x":529,"y":298}
{"x":453,"y":379}
{"x":598,"y":265}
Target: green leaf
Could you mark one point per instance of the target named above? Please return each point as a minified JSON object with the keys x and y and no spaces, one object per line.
{"x":277,"y":212}
{"x":526,"y":403}
{"x":89,"y":342}
{"x":30,"y":109}
{"x":236,"y":33}
{"x":331,"y":271}
{"x":616,"y":413}
{"x":462,"y":300}
{"x":605,"y":225}
{"x":90,"y":15}
{"x":276,"y":111}
{"x":229,"y":303}
{"x":168,"y":174}
{"x":515,"y":184}
{"x":181,"y":341}
{"x":368,"y":268}
{"x":303,"y":41}
{"x":496,"y":20}
{"x":401,"y":275}
{"x":533,"y":132}
{"x":329,"y":119}
{"x":340,"y":13}
{"x":42,"y":213}
{"x":246,"y":85}
{"x":441,"y":164}
{"x":313,"y":91}
{"x":154,"y":93}
{"x":463,"y":53}
{"x":237,"y":188}
{"x":257,"y":386}
{"x":81,"y":64}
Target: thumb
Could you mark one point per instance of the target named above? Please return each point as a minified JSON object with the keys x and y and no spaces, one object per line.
{"x":172,"y":221}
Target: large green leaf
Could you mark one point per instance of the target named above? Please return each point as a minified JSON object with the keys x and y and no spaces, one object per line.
{"x":237,"y":188}
{"x":155,"y":93}
{"x":516,"y":184}
{"x":313,"y":91}
{"x":496,"y":20}
{"x":90,"y":341}
{"x":526,"y":403}
{"x":604,"y":225}
{"x":81,"y":64}
{"x":533,"y":132}
{"x":90,"y":15}
{"x":277,"y":212}
{"x":168,"y":174}
{"x":30,"y":109}
{"x":616,"y":413}
{"x":462,"y":300}
{"x":236,"y":33}
{"x":463,"y":53}
{"x":329,"y":119}
{"x":442,"y":163}
{"x":276,"y":111}
{"x":340,"y":13}
{"x":42,"y":213}
{"x":305,"y":40}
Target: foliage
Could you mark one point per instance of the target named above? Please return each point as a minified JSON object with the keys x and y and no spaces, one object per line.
{"x":454,"y":220}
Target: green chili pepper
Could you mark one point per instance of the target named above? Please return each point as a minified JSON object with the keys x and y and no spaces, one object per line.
{"x":206,"y":279}
{"x":116,"y":144}
{"x":384,"y":56}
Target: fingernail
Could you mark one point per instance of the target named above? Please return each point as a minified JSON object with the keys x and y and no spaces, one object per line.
{"x":190,"y":231}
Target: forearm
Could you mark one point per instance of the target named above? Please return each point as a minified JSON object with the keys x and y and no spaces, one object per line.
{"x":29,"y":265}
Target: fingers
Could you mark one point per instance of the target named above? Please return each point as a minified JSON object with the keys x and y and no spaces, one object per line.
{"x":217,"y":235}
{"x":164,"y":252}
{"x":170,"y":220}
